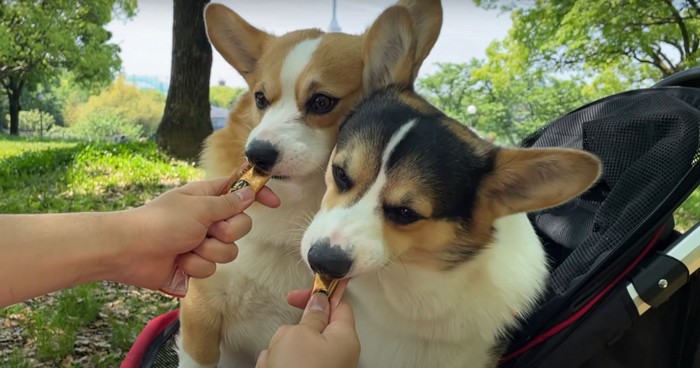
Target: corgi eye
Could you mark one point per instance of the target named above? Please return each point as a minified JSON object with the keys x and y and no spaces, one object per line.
{"x":321,"y":104}
{"x":401,"y":215}
{"x":341,"y":179}
{"x":261,"y":100}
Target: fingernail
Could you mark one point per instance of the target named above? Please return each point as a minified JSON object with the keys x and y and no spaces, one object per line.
{"x":318,"y":302}
{"x":245,"y":194}
{"x":261,"y":356}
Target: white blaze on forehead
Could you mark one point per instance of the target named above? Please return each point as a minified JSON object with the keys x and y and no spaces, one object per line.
{"x":285,"y":110}
{"x":393,"y":142}
{"x":371,"y":199}
{"x":295,"y":63}
{"x":358,"y":229}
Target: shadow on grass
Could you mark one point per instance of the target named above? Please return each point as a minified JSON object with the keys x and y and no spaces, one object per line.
{"x":88,"y":177}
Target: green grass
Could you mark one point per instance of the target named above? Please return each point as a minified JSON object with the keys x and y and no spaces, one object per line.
{"x":12,"y":145}
{"x":68,"y":177}
{"x":91,"y":325}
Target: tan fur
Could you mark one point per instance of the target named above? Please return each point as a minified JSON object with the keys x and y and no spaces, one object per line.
{"x":334,"y":74}
{"x":427,"y":20}
{"x":203,"y":323}
{"x":421,"y":243}
{"x":223,"y":151}
{"x":418,"y":103}
{"x":480,"y":146}
{"x":361,"y":168}
{"x":336,"y":70}
{"x":237,"y":41}
{"x":265,"y":77}
{"x":526,"y":180}
{"x":397,"y":52}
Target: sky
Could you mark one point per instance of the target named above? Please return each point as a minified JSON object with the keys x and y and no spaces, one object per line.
{"x":146,"y":39}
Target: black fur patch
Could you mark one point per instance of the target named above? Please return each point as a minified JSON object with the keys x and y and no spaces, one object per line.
{"x":447,"y":163}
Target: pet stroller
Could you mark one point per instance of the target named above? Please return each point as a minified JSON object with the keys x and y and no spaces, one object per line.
{"x":623,"y":290}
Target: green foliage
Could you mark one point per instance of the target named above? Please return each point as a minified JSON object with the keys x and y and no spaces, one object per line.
{"x":34,"y":120}
{"x":50,"y":35}
{"x":510,"y":100}
{"x":58,"y":96}
{"x":101,"y":125}
{"x":223,"y":96}
{"x":127,"y":102}
{"x":4,"y":118}
{"x":44,"y":38}
{"x":689,"y":213}
{"x":562,"y":54}
{"x":657,"y":37}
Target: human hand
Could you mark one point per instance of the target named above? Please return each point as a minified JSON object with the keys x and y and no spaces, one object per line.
{"x":191,"y":225}
{"x":325,"y":336}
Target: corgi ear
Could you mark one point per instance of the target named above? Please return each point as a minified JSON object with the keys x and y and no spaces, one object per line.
{"x":389,"y":50}
{"x":427,"y":21}
{"x":525,"y":180}
{"x":240,"y":44}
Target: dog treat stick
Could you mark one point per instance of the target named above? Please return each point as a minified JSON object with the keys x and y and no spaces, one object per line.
{"x":246,"y":175}
{"x":324,"y":284}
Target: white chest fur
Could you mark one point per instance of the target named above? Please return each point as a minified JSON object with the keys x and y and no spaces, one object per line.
{"x":412,"y":317}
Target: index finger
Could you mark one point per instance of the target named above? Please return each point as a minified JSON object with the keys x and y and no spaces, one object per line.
{"x":228,"y":205}
{"x":268,"y":198}
{"x":209,"y":187}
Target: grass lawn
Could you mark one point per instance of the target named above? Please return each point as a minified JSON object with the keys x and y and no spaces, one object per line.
{"x":94,"y":325}
{"x":91,"y":325}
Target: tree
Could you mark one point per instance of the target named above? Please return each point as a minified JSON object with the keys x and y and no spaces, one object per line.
{"x":131,"y":104}
{"x":186,"y":121}
{"x":561,"y":54}
{"x":659,"y":37}
{"x":42,"y":38}
{"x":511,"y":99}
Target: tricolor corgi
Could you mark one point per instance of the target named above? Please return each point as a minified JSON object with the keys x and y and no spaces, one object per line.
{"x":301,"y":86}
{"x":428,"y":220}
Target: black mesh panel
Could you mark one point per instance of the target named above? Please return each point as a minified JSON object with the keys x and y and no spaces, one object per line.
{"x":647,"y":141}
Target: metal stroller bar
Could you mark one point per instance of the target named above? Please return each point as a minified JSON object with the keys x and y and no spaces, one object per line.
{"x":666,"y":272}
{"x":687,"y":249}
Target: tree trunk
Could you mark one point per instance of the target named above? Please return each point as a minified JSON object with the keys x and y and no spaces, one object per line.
{"x":186,"y":120}
{"x":14,"y":90}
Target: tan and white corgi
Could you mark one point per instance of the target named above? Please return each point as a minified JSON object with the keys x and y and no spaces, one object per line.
{"x":428,"y":221}
{"x":301,"y":85}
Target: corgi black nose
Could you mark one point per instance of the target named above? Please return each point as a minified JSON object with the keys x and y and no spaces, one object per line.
{"x":262,"y":154}
{"x":330,"y":261}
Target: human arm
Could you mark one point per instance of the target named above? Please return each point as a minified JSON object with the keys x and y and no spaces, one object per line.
{"x":40,"y":253}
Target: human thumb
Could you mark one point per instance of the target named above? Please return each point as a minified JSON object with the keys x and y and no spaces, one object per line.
{"x":228,"y":205}
{"x":210,"y":187}
{"x":317,"y":312}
